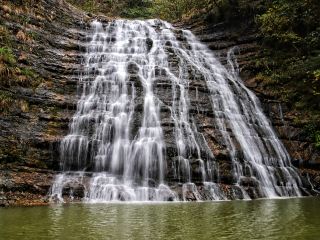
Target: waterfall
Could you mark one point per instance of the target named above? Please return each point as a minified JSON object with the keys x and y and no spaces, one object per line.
{"x":149,"y":92}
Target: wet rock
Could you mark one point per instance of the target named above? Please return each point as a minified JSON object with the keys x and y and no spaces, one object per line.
{"x":75,"y":190}
{"x":197,"y":170}
{"x":249,"y":182}
{"x":189,"y":196}
{"x":227,"y":179}
{"x":3,"y":201}
{"x":47,"y":50}
{"x":23,"y":58}
{"x":133,"y":68}
{"x":149,"y":43}
{"x":151,"y":182}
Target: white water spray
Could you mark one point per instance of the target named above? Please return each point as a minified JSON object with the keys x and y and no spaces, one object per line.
{"x":116,"y":149}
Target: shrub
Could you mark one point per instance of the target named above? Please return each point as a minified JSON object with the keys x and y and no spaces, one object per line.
{"x":317,"y":139}
{"x":313,"y":132}
{"x":291,"y":24}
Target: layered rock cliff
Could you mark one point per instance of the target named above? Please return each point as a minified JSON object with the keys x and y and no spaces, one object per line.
{"x":245,"y":37}
{"x":43,"y":36}
{"x":46,"y":37}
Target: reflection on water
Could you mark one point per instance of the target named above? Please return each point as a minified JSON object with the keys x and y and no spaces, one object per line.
{"x":261,"y":219}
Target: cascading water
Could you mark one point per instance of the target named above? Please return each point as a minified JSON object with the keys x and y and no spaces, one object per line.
{"x":141,"y":83}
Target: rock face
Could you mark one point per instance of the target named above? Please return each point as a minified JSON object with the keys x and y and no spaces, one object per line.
{"x":31,"y":131}
{"x":245,"y":38}
{"x":155,"y":90}
{"x":32,"y":128}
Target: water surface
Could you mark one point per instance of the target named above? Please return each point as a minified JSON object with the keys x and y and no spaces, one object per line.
{"x":259,"y":219}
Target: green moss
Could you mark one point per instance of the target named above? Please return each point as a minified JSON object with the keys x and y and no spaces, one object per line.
{"x":12,"y":75}
{"x":6,"y":101}
{"x":34,"y":35}
{"x":6,"y":55}
{"x":28,"y":72}
{"x":24,"y":19}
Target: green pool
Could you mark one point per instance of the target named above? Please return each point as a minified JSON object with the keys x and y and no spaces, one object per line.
{"x":260,"y":219}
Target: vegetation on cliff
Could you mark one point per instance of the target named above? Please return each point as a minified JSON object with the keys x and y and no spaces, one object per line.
{"x":15,"y":45}
{"x":29,"y":33}
{"x":117,"y":8}
{"x":15,"y":71}
{"x":291,"y":35}
{"x":171,"y":10}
